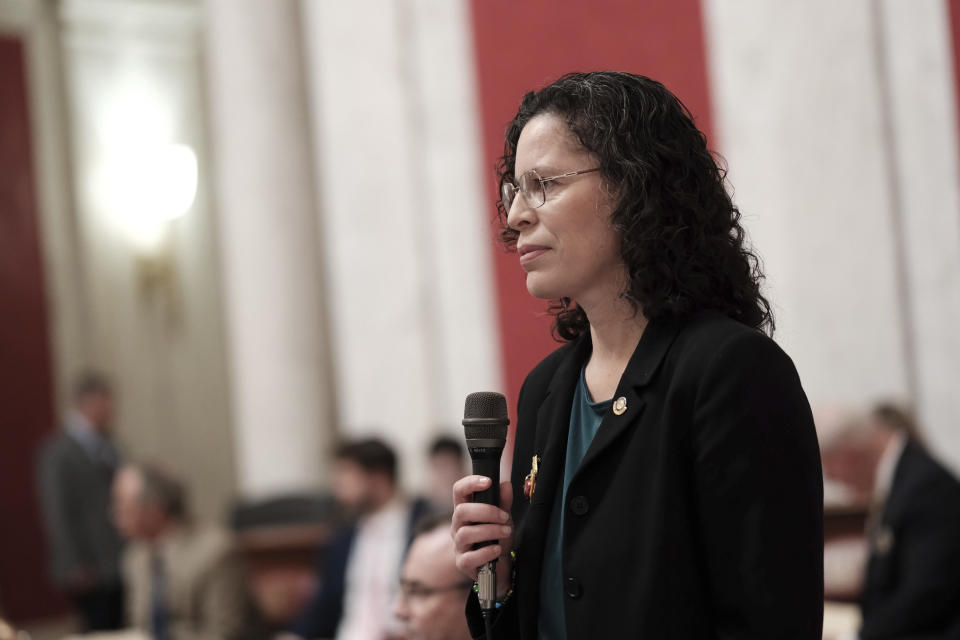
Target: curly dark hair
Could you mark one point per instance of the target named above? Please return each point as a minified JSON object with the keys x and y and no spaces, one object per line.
{"x":680,"y":233}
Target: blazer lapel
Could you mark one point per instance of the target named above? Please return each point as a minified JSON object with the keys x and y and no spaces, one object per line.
{"x":643,"y":364}
{"x":550,"y":442}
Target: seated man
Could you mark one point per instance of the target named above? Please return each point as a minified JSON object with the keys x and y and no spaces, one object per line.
{"x":912,"y":583}
{"x":432,"y":590}
{"x":184,"y":582}
{"x":358,"y":580}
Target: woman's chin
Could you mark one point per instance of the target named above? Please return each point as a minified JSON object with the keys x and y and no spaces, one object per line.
{"x":539,"y":287}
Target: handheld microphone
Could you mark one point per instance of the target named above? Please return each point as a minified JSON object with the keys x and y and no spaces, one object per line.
{"x":485,"y":427}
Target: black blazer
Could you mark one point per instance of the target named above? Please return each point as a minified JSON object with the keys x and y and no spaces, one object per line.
{"x":697,"y":513}
{"x":912,"y":588}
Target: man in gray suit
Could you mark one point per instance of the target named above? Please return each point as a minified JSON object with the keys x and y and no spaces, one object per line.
{"x":76,"y":469}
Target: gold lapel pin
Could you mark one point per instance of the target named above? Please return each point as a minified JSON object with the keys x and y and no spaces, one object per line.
{"x":883,"y":543}
{"x":619,"y":406}
{"x":530,"y":482}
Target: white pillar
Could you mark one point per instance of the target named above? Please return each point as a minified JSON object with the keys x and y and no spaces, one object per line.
{"x":407,"y":241}
{"x":796,"y":99}
{"x":839,"y":123}
{"x":132,"y":78}
{"x":919,"y":68}
{"x":268,"y":232}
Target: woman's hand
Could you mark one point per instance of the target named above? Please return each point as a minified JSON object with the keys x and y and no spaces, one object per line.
{"x":475,"y":522}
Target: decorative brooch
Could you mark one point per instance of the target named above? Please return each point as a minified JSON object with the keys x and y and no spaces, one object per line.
{"x":530,"y":482}
{"x":619,"y":406}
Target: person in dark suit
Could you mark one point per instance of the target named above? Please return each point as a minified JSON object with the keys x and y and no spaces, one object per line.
{"x":360,"y":568}
{"x":666,"y":477}
{"x":75,"y":474}
{"x":911,"y":587}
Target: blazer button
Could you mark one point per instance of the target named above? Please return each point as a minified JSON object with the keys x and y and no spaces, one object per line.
{"x":579,"y":505}
{"x":574,"y":590}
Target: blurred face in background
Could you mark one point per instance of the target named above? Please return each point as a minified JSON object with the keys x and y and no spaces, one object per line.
{"x":134,"y":518}
{"x":127,"y":507}
{"x":97,"y":407}
{"x":357,"y":490}
{"x":446,"y":468}
{"x":433,"y":592}
{"x":852,"y":460}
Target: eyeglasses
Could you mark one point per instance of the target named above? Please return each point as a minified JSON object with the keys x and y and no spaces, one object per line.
{"x":412,"y":589}
{"x":532,"y":188}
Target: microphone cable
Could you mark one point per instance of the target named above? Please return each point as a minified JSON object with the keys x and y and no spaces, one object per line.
{"x":487,"y":623}
{"x":487,"y":595}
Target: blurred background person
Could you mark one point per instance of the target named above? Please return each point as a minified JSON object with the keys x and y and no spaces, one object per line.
{"x":185,"y":582}
{"x":432,"y":590}
{"x":76,"y":469}
{"x":912,"y":583}
{"x":447,"y":464}
{"x":360,"y":566}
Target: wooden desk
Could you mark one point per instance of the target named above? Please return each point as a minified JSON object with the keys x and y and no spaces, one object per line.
{"x":845,"y":521}
{"x":845,"y":548}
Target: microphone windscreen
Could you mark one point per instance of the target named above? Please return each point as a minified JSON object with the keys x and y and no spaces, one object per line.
{"x":485,"y":416}
{"x":485,"y":405}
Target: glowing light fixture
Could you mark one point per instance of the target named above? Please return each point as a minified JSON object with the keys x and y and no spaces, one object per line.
{"x":144,"y":188}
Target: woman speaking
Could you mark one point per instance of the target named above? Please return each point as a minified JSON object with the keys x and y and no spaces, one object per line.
{"x":666,"y":478}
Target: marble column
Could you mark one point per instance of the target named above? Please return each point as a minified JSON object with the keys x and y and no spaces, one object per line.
{"x":405,"y":217}
{"x":282,"y":407}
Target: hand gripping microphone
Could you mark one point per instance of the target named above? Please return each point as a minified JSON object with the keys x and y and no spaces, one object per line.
{"x":485,"y":427}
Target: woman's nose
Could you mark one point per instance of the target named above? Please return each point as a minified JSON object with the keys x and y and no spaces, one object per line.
{"x":521,"y":213}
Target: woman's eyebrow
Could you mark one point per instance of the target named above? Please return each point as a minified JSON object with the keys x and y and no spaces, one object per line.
{"x":542,"y":169}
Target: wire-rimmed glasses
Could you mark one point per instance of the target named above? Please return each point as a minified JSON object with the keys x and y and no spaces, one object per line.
{"x":532,"y":187}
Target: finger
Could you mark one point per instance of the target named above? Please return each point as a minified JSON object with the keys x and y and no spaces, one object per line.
{"x":470,"y":573}
{"x":506,"y":496}
{"x":470,"y":561}
{"x":470,"y":513}
{"x":464,"y":488}
{"x":466,"y":537}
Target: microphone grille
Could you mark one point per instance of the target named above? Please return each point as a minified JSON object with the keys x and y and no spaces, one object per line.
{"x":485,"y":405}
